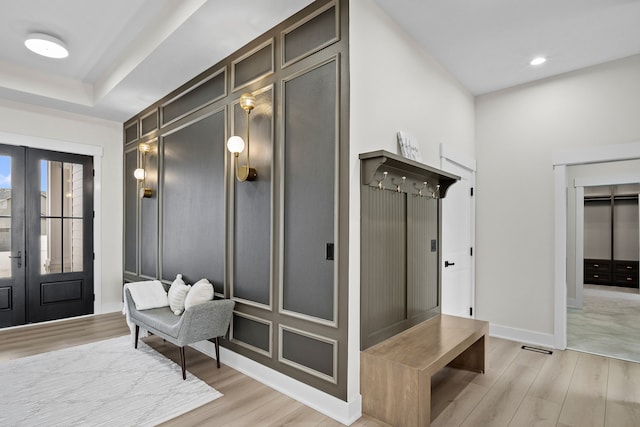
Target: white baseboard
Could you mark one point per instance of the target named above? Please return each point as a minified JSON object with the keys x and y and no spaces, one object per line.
{"x":341,"y":411}
{"x":522,"y":335}
{"x":108,"y":308}
{"x":572,"y":303}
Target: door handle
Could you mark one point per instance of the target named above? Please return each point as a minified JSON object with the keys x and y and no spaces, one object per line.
{"x":18,"y":257}
{"x":447,"y":263}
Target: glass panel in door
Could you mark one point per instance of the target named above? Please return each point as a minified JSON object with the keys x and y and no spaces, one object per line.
{"x":12,"y":271}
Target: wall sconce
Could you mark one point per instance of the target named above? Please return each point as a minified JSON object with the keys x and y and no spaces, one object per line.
{"x":235,"y":144}
{"x":140,"y":173}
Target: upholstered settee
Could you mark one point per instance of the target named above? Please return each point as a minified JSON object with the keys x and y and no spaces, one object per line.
{"x":205,"y":321}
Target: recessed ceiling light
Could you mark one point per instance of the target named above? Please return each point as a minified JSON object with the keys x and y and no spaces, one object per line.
{"x":538,"y":60}
{"x":46,"y":45}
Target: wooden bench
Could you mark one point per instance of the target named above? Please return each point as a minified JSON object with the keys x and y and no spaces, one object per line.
{"x":395,"y":379}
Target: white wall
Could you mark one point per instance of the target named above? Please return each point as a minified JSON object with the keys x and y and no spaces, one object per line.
{"x":34,"y":126}
{"x":395,"y":85}
{"x":516,"y":131}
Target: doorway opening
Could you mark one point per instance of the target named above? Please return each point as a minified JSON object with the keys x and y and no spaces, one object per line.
{"x":561,"y":161}
{"x":603,"y":289}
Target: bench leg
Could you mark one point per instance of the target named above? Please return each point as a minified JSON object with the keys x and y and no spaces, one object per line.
{"x":135,"y":343}
{"x":474,"y":358}
{"x":217,"y":345}
{"x":183,"y":364}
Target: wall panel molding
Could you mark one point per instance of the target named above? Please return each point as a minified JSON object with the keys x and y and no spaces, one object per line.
{"x":252,"y":339}
{"x":311,"y":34}
{"x":310,"y":126}
{"x":308,"y":352}
{"x":253,"y":66}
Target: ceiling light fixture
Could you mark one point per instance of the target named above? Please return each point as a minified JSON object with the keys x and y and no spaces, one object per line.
{"x":538,"y":61}
{"x":46,"y":45}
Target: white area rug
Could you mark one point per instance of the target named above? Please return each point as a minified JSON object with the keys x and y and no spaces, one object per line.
{"x":106,"y":383}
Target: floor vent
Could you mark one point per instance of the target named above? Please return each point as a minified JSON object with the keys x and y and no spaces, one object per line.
{"x":537,"y":350}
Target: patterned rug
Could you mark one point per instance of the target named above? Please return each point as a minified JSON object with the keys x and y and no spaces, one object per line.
{"x":106,"y":383}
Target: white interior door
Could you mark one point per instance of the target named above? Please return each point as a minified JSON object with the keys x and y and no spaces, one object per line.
{"x":458,"y":291}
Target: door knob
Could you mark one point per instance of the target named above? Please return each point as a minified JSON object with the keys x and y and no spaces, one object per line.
{"x":447,"y":263}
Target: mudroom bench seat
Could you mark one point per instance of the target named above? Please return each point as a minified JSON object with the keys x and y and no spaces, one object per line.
{"x":395,"y":381}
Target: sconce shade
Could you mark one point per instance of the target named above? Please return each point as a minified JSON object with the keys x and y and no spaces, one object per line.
{"x":139,"y":174}
{"x":247,"y":101}
{"x":235,"y":144}
{"x":144,"y":147}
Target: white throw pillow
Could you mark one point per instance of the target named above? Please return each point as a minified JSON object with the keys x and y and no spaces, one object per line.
{"x":177,"y":294}
{"x":148,"y":294}
{"x":201,"y":291}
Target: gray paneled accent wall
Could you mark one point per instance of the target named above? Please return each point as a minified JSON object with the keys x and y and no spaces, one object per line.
{"x":195,"y":97}
{"x":253,"y":209}
{"x":131,"y":132}
{"x":193,"y":201}
{"x":309,"y":35}
{"x":149,"y":123}
{"x":313,"y":354}
{"x":277,"y":245}
{"x":130,"y":211}
{"x":252,"y":332}
{"x":310,"y":130}
{"x":253,"y":66}
{"x":149,"y":218}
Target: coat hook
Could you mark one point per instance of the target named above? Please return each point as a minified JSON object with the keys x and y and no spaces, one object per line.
{"x":424,"y":187}
{"x":380,"y":181}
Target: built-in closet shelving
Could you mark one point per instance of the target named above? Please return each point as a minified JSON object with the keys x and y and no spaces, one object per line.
{"x":611,"y":237}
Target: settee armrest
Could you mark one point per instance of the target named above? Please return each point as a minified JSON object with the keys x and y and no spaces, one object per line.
{"x":204,"y":321}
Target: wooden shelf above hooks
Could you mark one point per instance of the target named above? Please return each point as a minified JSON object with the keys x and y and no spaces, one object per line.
{"x":375,"y":163}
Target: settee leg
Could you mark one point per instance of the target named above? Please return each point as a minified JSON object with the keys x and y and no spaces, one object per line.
{"x":135,"y":343}
{"x":183,"y":364}
{"x":217,"y":345}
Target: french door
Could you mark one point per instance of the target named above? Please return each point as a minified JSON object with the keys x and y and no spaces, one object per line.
{"x":46,"y":235}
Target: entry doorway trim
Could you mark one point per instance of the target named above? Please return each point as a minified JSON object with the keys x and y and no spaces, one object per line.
{"x":86,"y":150}
{"x":560,"y":160}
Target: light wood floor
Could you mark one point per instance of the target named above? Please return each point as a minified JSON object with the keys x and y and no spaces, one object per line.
{"x":521,"y":388}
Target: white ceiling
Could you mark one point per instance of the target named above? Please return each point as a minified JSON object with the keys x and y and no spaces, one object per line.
{"x":487,"y":44}
{"x":127,"y":54}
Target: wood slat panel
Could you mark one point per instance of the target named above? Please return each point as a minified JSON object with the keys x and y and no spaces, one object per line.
{"x":422,"y":265}
{"x":383,"y":259}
